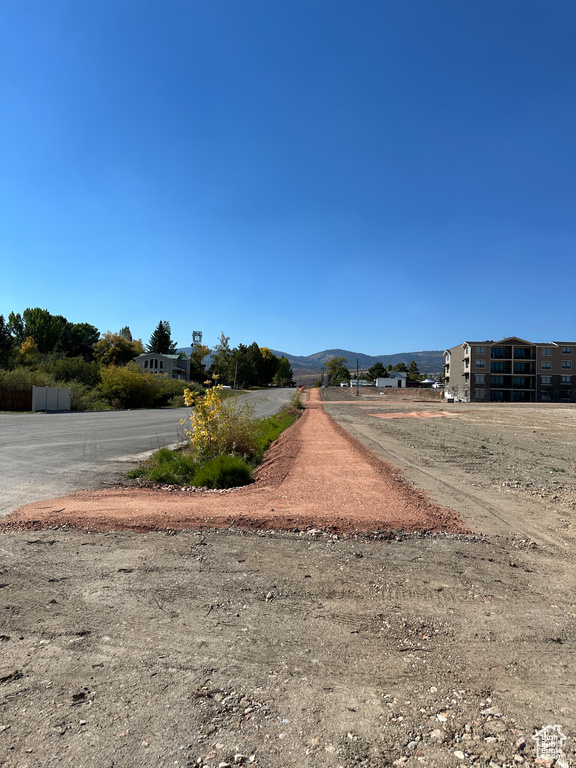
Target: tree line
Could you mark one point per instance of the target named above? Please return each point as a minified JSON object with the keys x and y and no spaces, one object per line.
{"x":39,"y":348}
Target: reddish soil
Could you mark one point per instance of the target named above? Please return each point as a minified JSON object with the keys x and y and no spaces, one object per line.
{"x":315,"y":476}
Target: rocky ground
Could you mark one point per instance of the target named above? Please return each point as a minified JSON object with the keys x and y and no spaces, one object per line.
{"x":308,"y":647}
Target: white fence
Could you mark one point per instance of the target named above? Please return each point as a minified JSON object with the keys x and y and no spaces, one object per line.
{"x":50,"y":399}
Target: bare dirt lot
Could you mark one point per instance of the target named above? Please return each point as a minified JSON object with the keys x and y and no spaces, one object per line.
{"x":310,"y":647}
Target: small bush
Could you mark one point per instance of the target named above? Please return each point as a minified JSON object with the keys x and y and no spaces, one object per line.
{"x":223,"y":472}
{"x":218,"y":427}
{"x":167,"y":466}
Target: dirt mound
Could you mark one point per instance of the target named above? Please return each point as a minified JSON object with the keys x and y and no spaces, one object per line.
{"x":315,"y":476}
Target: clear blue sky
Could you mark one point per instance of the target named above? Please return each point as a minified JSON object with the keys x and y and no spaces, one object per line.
{"x":376,"y":175}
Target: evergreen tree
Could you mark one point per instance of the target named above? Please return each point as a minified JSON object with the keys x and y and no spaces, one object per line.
{"x":161,"y":340}
{"x":126,"y":333}
{"x":413,"y":372}
{"x":376,"y":372}
{"x":6,"y":342}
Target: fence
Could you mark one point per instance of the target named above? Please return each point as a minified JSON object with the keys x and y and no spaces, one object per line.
{"x":50,"y":398}
{"x":15,"y":400}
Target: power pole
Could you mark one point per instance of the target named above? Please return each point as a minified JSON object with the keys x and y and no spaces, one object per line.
{"x":357,"y":379}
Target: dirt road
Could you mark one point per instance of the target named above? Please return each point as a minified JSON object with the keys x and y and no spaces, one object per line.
{"x":276,"y":648}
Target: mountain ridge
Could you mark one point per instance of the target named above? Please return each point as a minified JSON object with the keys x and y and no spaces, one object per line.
{"x":428,"y":361}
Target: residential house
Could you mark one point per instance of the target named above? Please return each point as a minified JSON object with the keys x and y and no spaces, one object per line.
{"x":511,"y":370}
{"x":174,"y":366}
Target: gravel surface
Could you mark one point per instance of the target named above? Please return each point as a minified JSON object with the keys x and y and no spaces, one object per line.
{"x":310,"y":648}
{"x":315,"y":476}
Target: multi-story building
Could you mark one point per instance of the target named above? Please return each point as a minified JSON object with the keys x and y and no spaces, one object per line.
{"x":511,"y":370}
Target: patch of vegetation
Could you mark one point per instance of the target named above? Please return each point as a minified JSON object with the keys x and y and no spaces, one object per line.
{"x":196,"y":464}
{"x":223,"y":472}
{"x":558,"y":469}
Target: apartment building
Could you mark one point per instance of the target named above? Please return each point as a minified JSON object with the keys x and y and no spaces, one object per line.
{"x":511,"y":370}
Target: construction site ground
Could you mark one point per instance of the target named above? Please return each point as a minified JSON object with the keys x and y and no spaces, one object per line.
{"x":413,"y":604}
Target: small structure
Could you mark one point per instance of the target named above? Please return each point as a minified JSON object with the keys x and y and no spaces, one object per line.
{"x":173,"y":366}
{"x":396,"y":379}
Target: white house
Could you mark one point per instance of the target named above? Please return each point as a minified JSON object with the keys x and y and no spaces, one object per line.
{"x":396,"y":379}
{"x":173,"y":366}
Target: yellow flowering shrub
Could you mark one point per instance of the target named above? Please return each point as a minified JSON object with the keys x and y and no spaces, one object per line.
{"x":219,"y":426}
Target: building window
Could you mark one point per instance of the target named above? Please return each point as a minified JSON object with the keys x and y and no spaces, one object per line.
{"x":497,"y":367}
{"x":498,"y":352}
{"x":546,"y":350}
{"x":566,"y":363}
{"x":479,"y":393}
{"x":145,"y":363}
{"x":566,"y":350}
{"x":480,"y":350}
{"x":546,"y":366}
{"x":566,"y":379}
{"x":479,"y":378}
{"x":518,"y":381}
{"x":497,"y":395}
{"x":546,"y":379}
{"x":496,"y":381}
{"x":467,"y":350}
{"x":161,"y":365}
{"x":480,"y":363}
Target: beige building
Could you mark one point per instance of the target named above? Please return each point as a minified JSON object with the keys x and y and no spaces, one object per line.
{"x":511,"y":370}
{"x":173,"y":366}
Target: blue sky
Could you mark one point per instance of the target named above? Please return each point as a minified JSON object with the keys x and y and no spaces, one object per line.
{"x":376,"y":175}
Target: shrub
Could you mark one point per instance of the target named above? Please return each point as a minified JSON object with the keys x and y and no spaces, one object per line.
{"x":128,"y":387}
{"x":223,"y":472}
{"x":69,"y":369}
{"x":218,"y":427}
{"x":26,"y":378}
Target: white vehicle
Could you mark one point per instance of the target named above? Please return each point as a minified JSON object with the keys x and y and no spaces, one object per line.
{"x":437,"y":385}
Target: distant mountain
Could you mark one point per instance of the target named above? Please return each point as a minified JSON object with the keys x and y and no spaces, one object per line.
{"x":428,"y":362}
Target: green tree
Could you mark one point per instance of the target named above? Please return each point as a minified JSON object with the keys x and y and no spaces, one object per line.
{"x":413,"y":372}
{"x":401,"y":368}
{"x":376,"y":372}
{"x":113,"y":349}
{"x":283,"y":376}
{"x":16,"y":328}
{"x":161,"y":340}
{"x":337,"y":371}
{"x":197,"y":367}
{"x":221,"y":356}
{"x":126,"y":332}
{"x":241,"y":368}
{"x":51,"y":332}
{"x":268,"y":366}
{"x":6,"y":343}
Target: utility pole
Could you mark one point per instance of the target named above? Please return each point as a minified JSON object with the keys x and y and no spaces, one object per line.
{"x":357,"y":379}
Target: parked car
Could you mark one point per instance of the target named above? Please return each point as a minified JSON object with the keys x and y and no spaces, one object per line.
{"x":437,"y":385}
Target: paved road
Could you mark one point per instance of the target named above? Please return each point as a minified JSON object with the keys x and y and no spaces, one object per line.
{"x":44,"y":455}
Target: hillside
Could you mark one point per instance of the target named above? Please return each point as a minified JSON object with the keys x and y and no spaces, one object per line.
{"x":428,"y":361}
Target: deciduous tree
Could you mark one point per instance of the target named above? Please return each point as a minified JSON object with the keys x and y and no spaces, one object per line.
{"x":113,"y":349}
